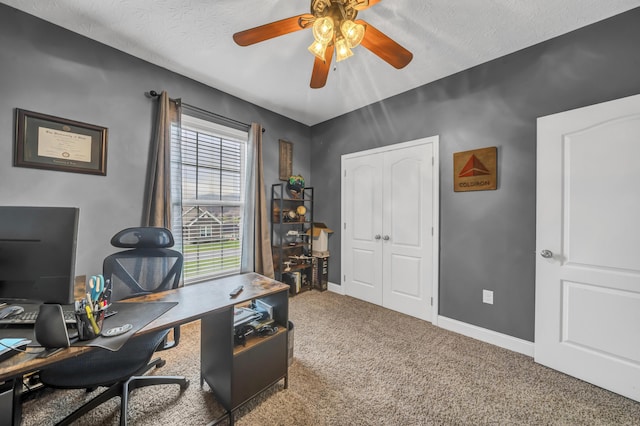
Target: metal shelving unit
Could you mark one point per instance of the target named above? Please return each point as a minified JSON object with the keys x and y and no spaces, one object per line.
{"x":292,"y":247}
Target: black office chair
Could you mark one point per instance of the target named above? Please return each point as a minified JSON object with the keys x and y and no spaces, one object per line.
{"x":148,"y":266}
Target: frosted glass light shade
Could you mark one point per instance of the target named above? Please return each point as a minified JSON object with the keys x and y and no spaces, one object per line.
{"x":323,"y":30}
{"x":352,"y":32}
{"x":318,"y":49}
{"x":342,"y":50}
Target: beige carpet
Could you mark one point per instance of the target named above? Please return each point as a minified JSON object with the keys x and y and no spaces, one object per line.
{"x":359,"y":364}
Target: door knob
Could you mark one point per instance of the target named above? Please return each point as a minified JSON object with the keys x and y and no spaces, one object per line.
{"x":377,"y":237}
{"x":547,"y":254}
{"x":386,"y":238}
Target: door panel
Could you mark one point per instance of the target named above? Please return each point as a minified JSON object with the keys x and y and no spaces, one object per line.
{"x":404,"y":270}
{"x":597,"y":175}
{"x":592,"y":332}
{"x":405,"y":200}
{"x":363,"y":275}
{"x":365,"y":201}
{"x":588,"y":290}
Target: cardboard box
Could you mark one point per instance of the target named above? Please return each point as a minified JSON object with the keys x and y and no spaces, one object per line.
{"x":320,"y":233}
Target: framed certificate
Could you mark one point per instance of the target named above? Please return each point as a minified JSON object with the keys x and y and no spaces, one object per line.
{"x":47,"y":142}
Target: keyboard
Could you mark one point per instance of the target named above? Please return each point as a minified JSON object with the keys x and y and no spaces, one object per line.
{"x":29,"y":317}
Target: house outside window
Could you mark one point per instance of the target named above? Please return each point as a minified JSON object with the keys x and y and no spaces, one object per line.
{"x":209,"y":166}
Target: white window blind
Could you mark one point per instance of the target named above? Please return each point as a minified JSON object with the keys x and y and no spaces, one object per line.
{"x":213,"y":171}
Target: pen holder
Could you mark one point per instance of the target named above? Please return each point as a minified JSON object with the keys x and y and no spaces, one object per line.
{"x":90,"y":325}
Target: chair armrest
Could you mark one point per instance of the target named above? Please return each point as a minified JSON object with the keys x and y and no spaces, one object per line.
{"x":167,"y":343}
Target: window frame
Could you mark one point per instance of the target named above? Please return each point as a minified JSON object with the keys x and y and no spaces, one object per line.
{"x":226,"y":135}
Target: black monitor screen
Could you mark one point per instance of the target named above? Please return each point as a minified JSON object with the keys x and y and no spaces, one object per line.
{"x":38,"y":253}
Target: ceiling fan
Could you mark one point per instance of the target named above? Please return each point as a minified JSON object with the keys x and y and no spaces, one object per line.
{"x":335,"y":28}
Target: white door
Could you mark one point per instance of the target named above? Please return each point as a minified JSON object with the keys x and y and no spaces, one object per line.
{"x":361,"y":234}
{"x":389,"y":199}
{"x":407,"y":240}
{"x":588,"y":244}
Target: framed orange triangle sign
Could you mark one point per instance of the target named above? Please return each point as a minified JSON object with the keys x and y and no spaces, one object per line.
{"x":475,"y":170}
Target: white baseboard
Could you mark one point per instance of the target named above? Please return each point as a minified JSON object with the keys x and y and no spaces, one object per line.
{"x":336,"y":288}
{"x":502,"y":340}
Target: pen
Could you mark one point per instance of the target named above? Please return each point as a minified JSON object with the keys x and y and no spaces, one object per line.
{"x":92,"y":320}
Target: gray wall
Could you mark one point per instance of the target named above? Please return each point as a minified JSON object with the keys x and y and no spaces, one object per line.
{"x":487,"y":238}
{"x":47,"y":69}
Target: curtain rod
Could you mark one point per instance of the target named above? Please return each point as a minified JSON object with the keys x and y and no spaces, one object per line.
{"x":155,"y":94}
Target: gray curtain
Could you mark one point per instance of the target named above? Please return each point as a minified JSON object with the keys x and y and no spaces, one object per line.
{"x":263,"y":262}
{"x":157,"y":206}
{"x":157,"y":203}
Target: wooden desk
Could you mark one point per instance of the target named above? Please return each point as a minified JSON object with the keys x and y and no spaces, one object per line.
{"x":194,"y":302}
{"x":236,"y":374}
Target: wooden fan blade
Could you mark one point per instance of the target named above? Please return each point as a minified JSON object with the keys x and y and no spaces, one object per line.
{"x":387,"y":49}
{"x":366,"y":4}
{"x":274,"y":29}
{"x":321,"y":69}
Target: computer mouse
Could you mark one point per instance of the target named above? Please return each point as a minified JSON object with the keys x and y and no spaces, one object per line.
{"x":10,"y":311}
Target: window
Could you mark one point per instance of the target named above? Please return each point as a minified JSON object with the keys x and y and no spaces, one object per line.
{"x":209,"y":165}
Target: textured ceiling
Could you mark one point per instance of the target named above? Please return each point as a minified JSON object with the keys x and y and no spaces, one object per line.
{"x":194,"y":38}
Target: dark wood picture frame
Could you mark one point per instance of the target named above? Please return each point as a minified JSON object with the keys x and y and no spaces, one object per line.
{"x":53,"y":143}
{"x":286,"y":159}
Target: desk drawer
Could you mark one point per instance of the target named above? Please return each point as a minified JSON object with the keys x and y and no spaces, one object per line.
{"x":256,"y":369}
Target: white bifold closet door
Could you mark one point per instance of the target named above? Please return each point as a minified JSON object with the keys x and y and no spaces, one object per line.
{"x":389,"y":226}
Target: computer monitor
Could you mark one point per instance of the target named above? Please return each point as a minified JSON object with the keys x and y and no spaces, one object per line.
{"x":38,"y":254}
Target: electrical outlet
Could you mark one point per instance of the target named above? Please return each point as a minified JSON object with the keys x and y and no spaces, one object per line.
{"x":487,"y":297}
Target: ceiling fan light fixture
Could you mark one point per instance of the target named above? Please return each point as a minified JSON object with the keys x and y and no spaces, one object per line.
{"x":336,"y":29}
{"x":342,"y":50}
{"x":318,"y":49}
{"x":323,"y":30}
{"x":352,"y":32}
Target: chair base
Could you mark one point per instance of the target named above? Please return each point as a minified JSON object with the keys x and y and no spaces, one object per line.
{"x":123,"y":389}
